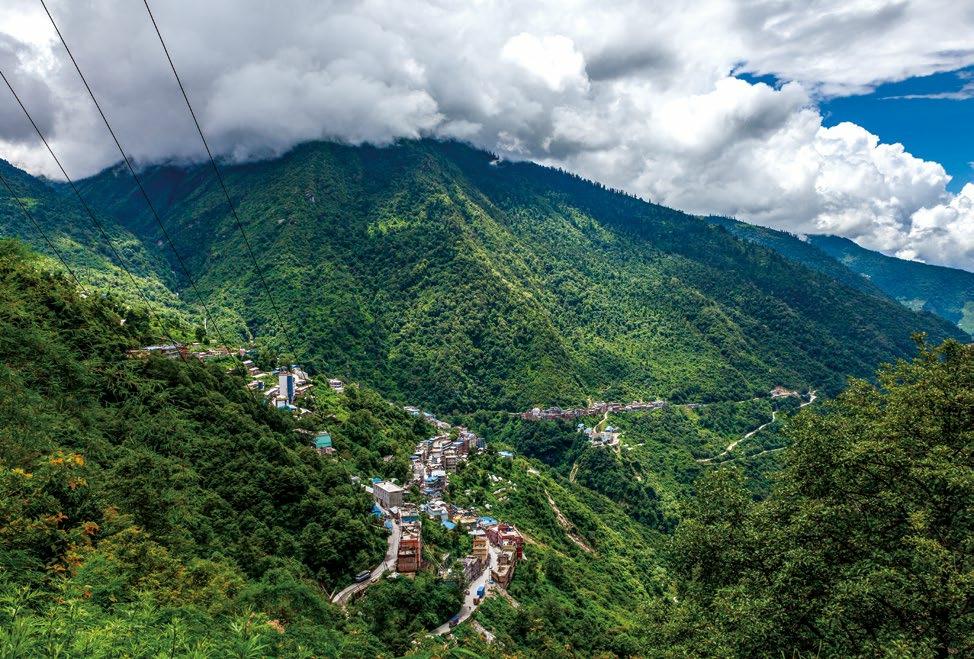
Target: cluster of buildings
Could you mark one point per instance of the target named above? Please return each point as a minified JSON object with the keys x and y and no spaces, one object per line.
{"x":496,"y":546}
{"x":601,"y":407}
{"x":439,"y":455}
{"x":434,"y":459}
{"x":609,"y":436}
{"x":169,"y":351}
{"x":439,"y":425}
{"x":292,"y":383}
{"x":510,"y":545}
{"x":181,"y":351}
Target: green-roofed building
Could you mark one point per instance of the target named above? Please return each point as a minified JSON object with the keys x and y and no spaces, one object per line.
{"x":322,"y":443}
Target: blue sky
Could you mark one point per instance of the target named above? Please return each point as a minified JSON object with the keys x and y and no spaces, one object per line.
{"x":939,"y":129}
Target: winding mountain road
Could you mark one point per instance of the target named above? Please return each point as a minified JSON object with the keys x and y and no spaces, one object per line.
{"x":468,"y":606}
{"x":388,"y":563}
{"x":812,"y":395}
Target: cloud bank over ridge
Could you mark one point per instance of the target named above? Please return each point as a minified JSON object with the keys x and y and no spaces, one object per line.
{"x":639,"y":98}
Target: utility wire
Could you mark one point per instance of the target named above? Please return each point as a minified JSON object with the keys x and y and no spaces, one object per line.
{"x":88,"y":211}
{"x":138,"y":181}
{"x":223,"y":185}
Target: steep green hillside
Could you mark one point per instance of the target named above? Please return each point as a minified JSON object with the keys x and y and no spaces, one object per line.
{"x":435,"y":273}
{"x":72,"y":232}
{"x":946,"y":292}
{"x":155,"y":507}
{"x":798,"y":250}
{"x":591,"y":575}
{"x":863,"y":547}
{"x":152,"y":508}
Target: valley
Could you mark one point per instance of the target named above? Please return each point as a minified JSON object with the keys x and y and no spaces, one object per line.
{"x":442,"y":462}
{"x":486,"y":330}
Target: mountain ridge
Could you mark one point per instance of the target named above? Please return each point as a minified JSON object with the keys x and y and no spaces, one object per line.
{"x":434,"y":269}
{"x":940,"y":290}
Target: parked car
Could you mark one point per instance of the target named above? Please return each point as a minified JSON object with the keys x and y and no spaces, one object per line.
{"x":455,"y":620}
{"x":362,"y":576}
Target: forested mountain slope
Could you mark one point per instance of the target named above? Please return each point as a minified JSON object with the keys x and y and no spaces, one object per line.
{"x":152,"y":506}
{"x":57,"y":210}
{"x":946,"y":292}
{"x":432,"y":269}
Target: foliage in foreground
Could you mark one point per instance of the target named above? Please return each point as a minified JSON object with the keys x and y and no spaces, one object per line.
{"x":865,"y":546}
{"x":155,"y":507}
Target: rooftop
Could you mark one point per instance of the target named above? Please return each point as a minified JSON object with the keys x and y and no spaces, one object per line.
{"x":388,"y":487}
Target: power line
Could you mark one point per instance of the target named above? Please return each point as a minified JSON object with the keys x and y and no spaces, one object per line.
{"x":138,"y":181}
{"x":84,"y":205}
{"x":223,"y":185}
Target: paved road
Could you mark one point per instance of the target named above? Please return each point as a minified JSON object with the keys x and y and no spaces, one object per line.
{"x":388,"y":563}
{"x":468,"y":607}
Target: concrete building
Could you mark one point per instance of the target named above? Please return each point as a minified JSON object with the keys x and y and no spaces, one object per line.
{"x":480,"y":546}
{"x":473,"y":567}
{"x":409,"y":560}
{"x":387,"y":495}
{"x":449,"y":459}
{"x":408,"y":513}
{"x":503,"y":534}
{"x":503,"y":572}
{"x":322,"y":443}
{"x":286,"y":385}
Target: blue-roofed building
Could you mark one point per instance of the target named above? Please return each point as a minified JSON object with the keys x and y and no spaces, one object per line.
{"x":376,"y":479}
{"x":376,"y":510}
{"x":322,"y":443}
{"x":282,"y":404}
{"x":487,"y":521}
{"x":505,"y":454}
{"x":448,"y":525}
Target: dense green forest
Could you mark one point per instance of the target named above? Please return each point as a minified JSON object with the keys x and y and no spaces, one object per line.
{"x":152,"y":507}
{"x":444,"y":277}
{"x":79,"y":240}
{"x":946,"y":292}
{"x":865,"y":545}
{"x":859,"y":544}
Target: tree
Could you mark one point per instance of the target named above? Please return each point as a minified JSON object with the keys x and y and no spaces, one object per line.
{"x":866,"y":544}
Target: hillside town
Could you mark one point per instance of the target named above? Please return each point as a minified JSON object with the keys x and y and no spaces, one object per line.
{"x":600,"y":407}
{"x":497,"y":547}
{"x":608,"y":436}
{"x":403,"y":508}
